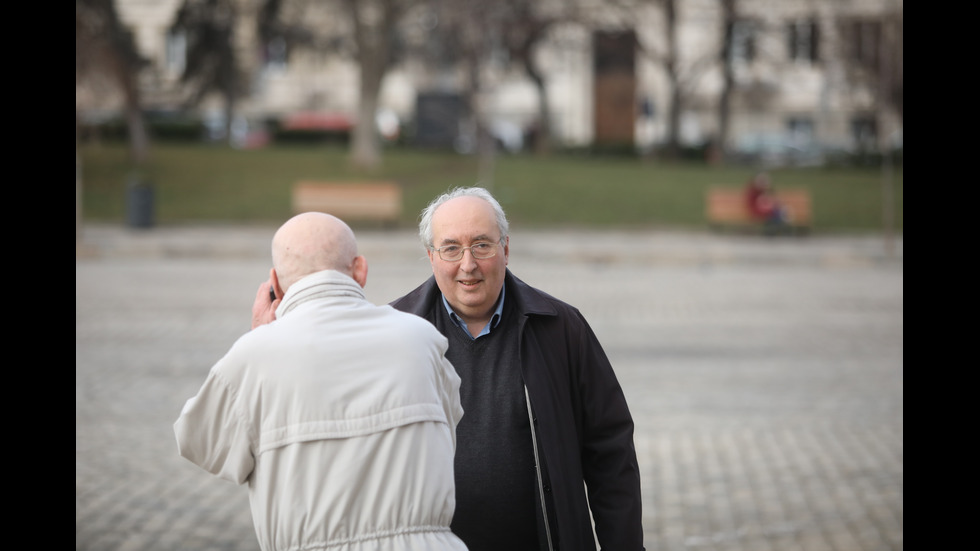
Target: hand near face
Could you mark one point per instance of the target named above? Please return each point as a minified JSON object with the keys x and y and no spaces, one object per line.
{"x":264,"y":307}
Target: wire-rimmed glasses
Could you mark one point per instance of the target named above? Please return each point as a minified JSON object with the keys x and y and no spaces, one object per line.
{"x":480,"y":250}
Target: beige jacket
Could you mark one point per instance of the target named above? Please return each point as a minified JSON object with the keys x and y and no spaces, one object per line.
{"x":341,"y":418}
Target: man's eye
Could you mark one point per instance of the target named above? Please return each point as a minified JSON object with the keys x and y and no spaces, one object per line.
{"x":481,"y":247}
{"x":450,"y":249}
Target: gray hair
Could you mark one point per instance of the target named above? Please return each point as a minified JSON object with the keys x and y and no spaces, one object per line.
{"x":425,"y":221}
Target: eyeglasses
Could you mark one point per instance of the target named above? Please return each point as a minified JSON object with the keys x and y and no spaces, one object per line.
{"x":480,"y":250}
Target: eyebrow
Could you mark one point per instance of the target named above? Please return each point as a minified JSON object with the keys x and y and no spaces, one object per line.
{"x":482,"y":237}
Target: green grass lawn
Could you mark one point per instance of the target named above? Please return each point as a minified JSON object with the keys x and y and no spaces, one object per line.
{"x":215,"y":183}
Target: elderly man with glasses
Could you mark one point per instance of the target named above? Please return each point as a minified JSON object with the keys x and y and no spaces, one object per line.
{"x":547,"y":437}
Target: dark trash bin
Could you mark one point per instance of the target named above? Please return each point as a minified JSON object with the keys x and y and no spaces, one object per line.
{"x":139,"y":202}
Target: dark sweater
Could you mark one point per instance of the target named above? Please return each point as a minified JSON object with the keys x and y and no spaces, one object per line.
{"x":495,"y":477}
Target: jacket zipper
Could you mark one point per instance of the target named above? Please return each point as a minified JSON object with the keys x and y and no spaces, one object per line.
{"x":537,"y":467}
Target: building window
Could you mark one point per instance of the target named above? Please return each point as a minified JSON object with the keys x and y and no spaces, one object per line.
{"x":803,"y":41}
{"x":862,"y":39}
{"x":864,"y":132}
{"x":800,"y":130}
{"x":743,"y":41}
{"x":276,"y":54}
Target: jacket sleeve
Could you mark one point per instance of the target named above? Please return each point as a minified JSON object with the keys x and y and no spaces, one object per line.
{"x":609,"y":461}
{"x":450,"y":395}
{"x":213,"y":434}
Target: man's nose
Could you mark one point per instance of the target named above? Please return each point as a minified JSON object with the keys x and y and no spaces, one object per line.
{"x":468,"y":262}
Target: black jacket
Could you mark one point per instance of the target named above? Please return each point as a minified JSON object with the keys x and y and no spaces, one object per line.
{"x":583,"y":426}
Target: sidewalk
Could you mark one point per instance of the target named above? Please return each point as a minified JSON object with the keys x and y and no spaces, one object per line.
{"x":765,"y":377}
{"x":645,"y":247}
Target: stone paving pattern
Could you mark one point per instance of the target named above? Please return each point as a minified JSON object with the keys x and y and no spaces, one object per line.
{"x":765,"y":376}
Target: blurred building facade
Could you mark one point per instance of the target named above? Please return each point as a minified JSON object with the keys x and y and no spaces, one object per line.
{"x":803,"y":72}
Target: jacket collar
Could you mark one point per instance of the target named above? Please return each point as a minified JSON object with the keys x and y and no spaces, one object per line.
{"x":319,"y":285}
{"x":528,"y":300}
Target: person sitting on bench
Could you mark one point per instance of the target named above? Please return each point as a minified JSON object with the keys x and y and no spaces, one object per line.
{"x":762,"y":202}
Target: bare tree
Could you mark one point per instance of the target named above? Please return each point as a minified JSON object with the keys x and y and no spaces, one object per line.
{"x":369,"y":34}
{"x":619,"y":14}
{"x":892,"y":78}
{"x":104,"y":46}
{"x":524,"y":28}
{"x":460,"y":39}
{"x":212,"y":63}
{"x":728,"y":21}
{"x":668,"y":59}
{"x":673,"y":77}
{"x":374,"y":24}
{"x":683,"y":79}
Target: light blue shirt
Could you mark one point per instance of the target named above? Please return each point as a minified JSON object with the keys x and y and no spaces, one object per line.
{"x":494,"y":319}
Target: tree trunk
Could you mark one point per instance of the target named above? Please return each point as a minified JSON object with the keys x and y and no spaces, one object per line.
{"x":718,"y":146}
{"x":542,"y":138}
{"x":365,"y":145}
{"x":139,"y":142}
{"x":670,"y":65}
{"x":373,"y":25}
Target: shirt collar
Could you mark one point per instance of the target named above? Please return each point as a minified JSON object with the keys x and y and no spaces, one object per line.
{"x":494,"y":319}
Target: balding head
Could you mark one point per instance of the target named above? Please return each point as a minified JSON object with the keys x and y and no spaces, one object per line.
{"x":312,"y":242}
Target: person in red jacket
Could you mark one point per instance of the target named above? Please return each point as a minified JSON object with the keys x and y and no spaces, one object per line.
{"x":762,"y":201}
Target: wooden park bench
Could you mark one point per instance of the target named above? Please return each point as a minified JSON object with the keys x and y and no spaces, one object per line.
{"x":353,"y":202}
{"x":726,"y":208}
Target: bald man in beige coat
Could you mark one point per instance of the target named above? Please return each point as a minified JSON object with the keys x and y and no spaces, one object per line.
{"x":338,"y":414}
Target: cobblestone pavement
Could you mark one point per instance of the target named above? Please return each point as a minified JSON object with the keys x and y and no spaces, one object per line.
{"x":765,"y":376}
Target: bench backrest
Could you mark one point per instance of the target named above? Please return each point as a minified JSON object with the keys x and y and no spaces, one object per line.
{"x":349,"y":200}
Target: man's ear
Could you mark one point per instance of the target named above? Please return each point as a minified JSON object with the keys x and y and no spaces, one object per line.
{"x":359,"y":270}
{"x":274,"y":278}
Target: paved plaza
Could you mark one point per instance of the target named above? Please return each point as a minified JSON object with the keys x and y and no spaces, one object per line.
{"x":765,"y":376}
